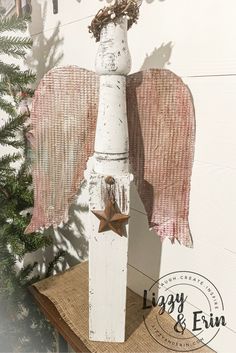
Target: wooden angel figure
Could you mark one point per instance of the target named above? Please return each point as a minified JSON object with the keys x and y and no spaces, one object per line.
{"x":138,"y":126}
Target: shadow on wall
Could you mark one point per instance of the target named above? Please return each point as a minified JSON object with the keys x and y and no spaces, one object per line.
{"x":73,"y":235}
{"x":70,"y":237}
{"x":145,"y":248}
{"x":143,"y":262}
{"x":45,"y":52}
{"x":159,"y":57}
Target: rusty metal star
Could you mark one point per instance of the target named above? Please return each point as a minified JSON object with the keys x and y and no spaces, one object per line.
{"x":110,"y":219}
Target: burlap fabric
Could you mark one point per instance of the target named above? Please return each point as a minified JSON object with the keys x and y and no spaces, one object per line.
{"x":161,"y":133}
{"x":69,"y":294}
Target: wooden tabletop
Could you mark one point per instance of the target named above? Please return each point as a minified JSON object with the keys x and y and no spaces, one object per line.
{"x":64,"y":301}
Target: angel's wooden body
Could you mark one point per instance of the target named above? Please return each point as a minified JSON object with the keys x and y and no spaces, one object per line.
{"x":161,"y":123}
{"x":108,"y":251}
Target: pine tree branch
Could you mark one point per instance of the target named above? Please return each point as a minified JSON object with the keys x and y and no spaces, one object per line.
{"x":14,"y":23}
{"x":4,"y":90}
{"x":58,"y":257}
{"x":9,"y":129}
{"x":14,"y":52}
{"x":16,"y":196}
{"x":4,"y":192}
{"x":7,"y":69}
{"x":16,"y":42}
{"x":25,"y":272}
{"x":12,"y":143}
{"x":14,"y":46}
{"x":7,"y":159}
{"x":12,"y":73}
{"x":7,"y":107}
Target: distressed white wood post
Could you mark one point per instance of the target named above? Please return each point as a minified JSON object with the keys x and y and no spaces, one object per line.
{"x":107,"y":250}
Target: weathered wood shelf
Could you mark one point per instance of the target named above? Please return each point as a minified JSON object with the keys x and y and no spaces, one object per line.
{"x":64,"y":301}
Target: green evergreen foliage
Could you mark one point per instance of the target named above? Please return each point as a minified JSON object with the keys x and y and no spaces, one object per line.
{"x":22,"y":327}
{"x":14,"y":23}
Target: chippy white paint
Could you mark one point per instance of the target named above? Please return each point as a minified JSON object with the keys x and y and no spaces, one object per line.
{"x":108,"y":251}
{"x":112,"y":64}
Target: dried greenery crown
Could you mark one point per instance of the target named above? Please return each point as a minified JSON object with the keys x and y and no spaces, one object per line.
{"x":129,"y":8}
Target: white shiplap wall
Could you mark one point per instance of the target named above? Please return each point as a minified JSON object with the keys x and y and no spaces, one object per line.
{"x":196,"y":40}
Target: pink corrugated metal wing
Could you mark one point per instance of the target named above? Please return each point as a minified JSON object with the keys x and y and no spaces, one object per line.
{"x":162,"y":135}
{"x":63,"y":119}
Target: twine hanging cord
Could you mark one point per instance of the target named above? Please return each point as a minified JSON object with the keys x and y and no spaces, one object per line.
{"x":129,"y":8}
{"x":110,"y":188}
